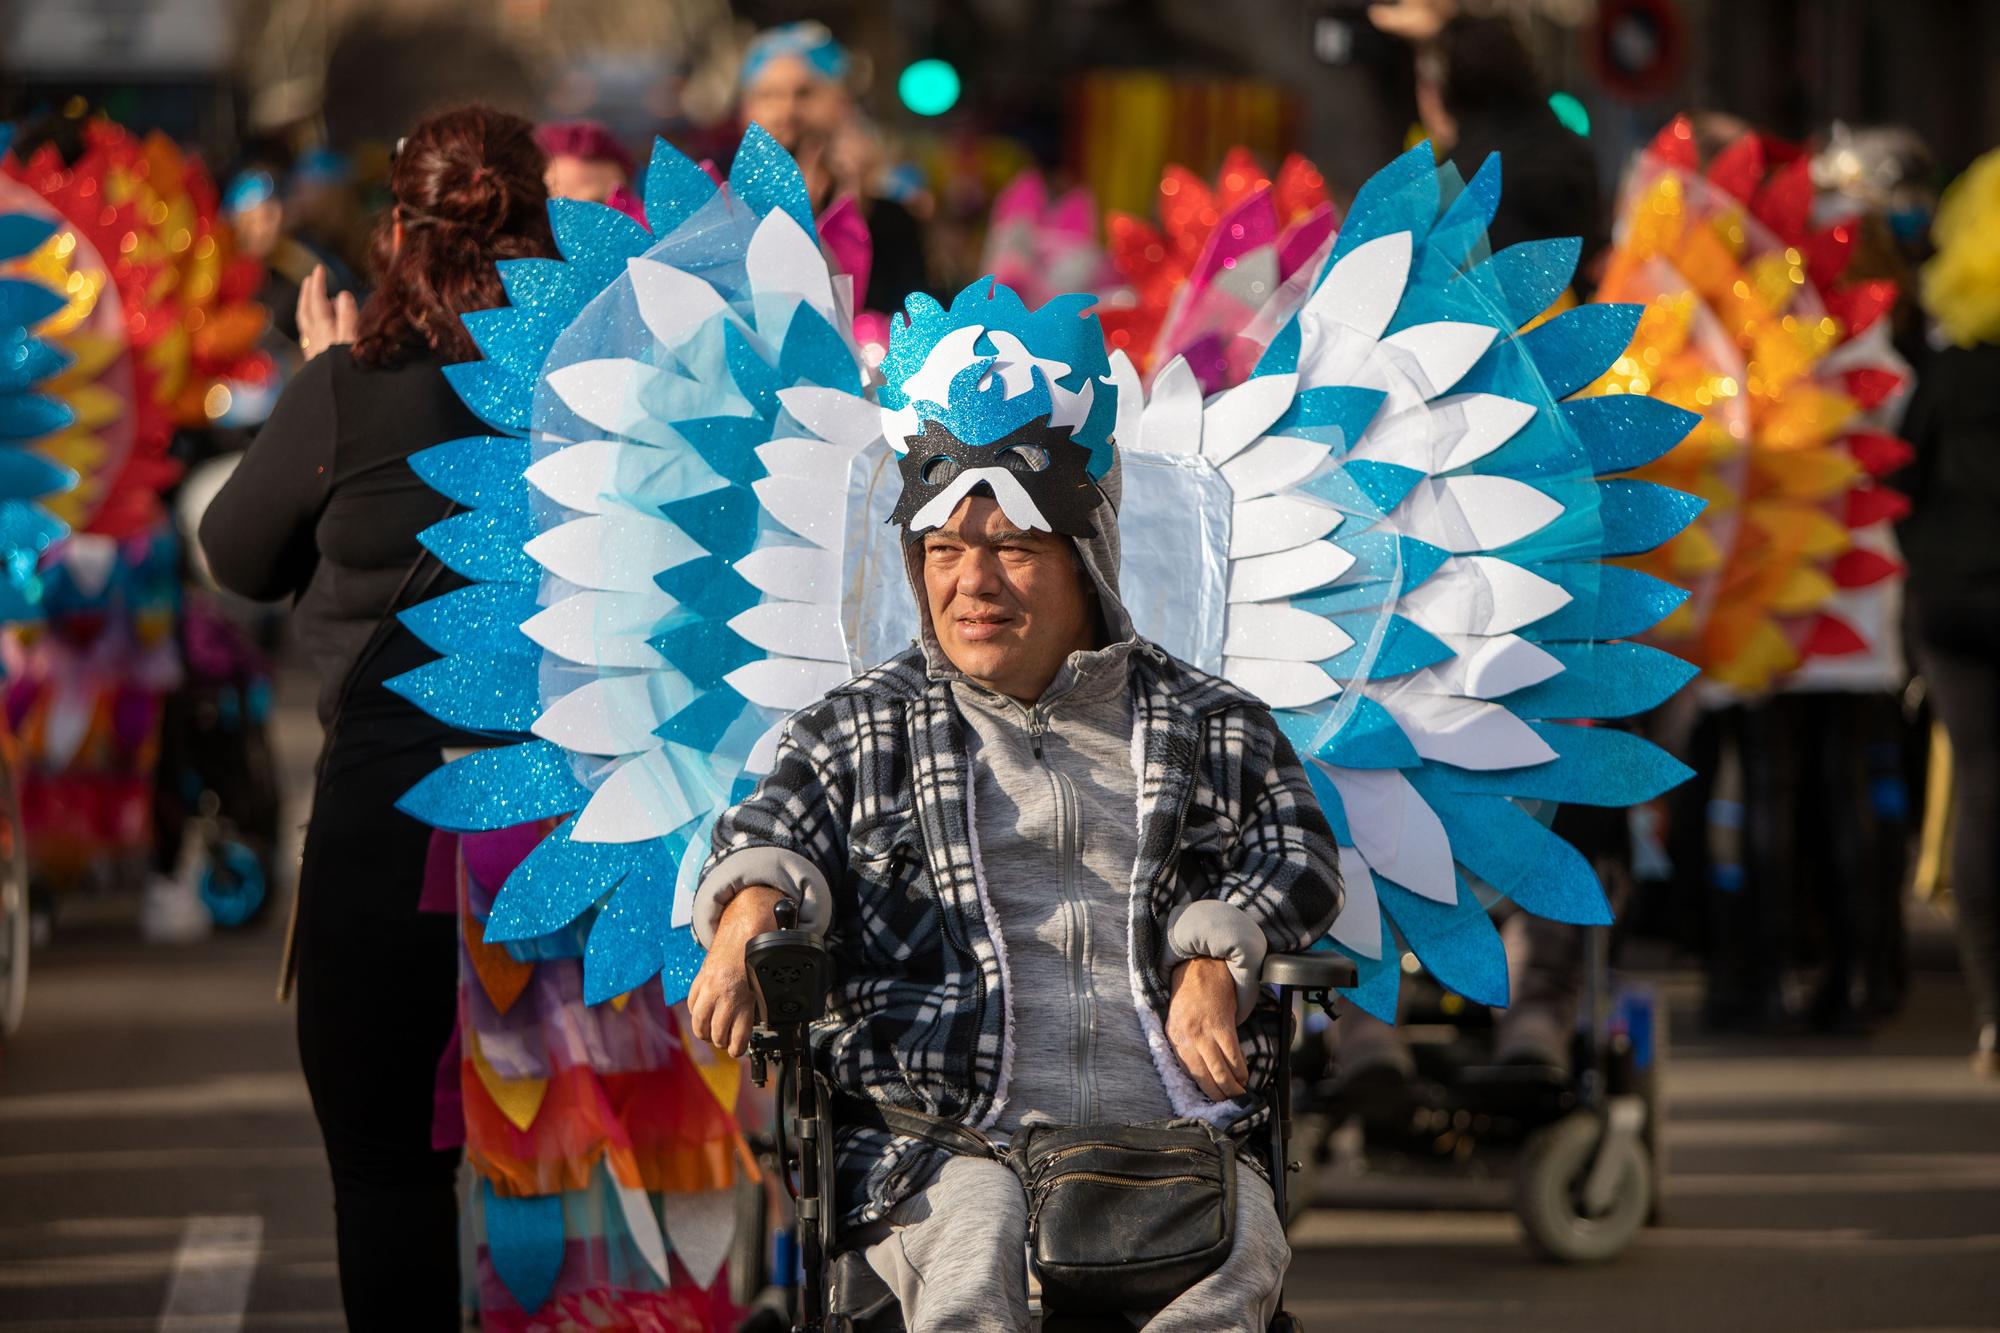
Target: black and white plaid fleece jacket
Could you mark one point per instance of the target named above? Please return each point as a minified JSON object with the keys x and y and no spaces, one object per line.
{"x":871,"y":786}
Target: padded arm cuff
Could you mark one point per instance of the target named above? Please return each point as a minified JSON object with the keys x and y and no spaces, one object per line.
{"x":766,"y":867}
{"x":1211,"y":928}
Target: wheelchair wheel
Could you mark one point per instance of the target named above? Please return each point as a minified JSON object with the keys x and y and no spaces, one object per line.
{"x":1556,"y":1162}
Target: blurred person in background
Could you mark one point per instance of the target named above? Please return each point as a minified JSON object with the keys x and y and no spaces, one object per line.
{"x":1953,"y":555}
{"x":325,"y":509}
{"x":255,"y":205}
{"x":1478,"y":92}
{"x":324,"y":214}
{"x":794,"y":85}
{"x":587,"y":162}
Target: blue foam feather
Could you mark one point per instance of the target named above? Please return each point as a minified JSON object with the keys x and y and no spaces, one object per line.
{"x":724,"y":520}
{"x":814,"y":354}
{"x":676,"y":187}
{"x":1402,"y":196}
{"x":556,"y":883}
{"x":481,"y":620}
{"x":728,"y":445}
{"x":1527,"y":277}
{"x":705,"y":651}
{"x":1378,"y":981}
{"x":757,"y":380}
{"x":1335,"y":414}
{"x":31,"y":416}
{"x":1385,"y":484}
{"x":25,"y":361}
{"x":496,"y":789}
{"x":1517,"y":855}
{"x":488,"y":694}
{"x":22,"y":232}
{"x":596,"y":240}
{"x":484,"y":544}
{"x":704,"y":720}
{"x":764,"y":177}
{"x":496,"y":396}
{"x":1593,"y":766}
{"x":681,"y":956}
{"x":515,"y":340}
{"x":1604,"y":680}
{"x":479,"y":471}
{"x":544,"y":284}
{"x":24,"y":303}
{"x":524,"y":1242}
{"x":626,"y":942}
{"x":25,"y":475}
{"x":709,"y":586}
{"x":1622,"y":431}
{"x":1611,"y":602}
{"x":1639,"y":515}
{"x":1578,"y":345}
{"x":1405,"y":647}
{"x":1461,"y":229}
{"x":1370,"y":738}
{"x":1455,"y":942}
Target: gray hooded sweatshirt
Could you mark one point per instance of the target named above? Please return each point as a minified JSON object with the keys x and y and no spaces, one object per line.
{"x":1055,"y":817}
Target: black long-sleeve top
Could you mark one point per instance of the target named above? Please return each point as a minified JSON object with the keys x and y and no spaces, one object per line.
{"x":325,"y":508}
{"x":1949,"y":539}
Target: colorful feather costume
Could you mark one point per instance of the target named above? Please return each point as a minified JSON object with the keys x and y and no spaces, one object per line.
{"x":1750,"y":324}
{"x":1393,"y":531}
{"x":159,"y":323}
{"x":1223,"y":271}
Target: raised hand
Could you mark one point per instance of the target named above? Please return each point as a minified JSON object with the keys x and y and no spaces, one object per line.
{"x":323,"y":322}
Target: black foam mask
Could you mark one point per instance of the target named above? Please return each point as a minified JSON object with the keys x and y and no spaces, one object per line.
{"x":1049,"y":466}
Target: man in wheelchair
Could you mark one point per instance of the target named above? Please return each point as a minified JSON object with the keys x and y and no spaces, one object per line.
{"x":1047,"y":860}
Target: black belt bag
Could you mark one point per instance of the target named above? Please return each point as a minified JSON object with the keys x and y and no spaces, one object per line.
{"x":1120,"y":1217}
{"x":1125,"y":1217}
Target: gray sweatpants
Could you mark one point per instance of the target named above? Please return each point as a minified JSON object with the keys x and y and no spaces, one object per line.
{"x":955,"y":1257}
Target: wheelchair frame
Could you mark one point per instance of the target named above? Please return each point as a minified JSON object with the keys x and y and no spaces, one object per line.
{"x":790,"y":973}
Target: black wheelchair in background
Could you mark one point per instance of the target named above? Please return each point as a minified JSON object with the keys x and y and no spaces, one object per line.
{"x":836,"y":1291}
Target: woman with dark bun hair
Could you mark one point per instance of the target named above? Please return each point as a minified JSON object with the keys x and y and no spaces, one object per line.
{"x":326,"y":510}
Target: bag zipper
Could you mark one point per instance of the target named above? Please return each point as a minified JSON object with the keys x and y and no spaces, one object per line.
{"x":1134,"y":1182}
{"x":1064,"y":1154}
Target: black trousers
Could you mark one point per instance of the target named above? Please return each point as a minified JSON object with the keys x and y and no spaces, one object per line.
{"x":377,"y":1001}
{"x":1958,"y":645}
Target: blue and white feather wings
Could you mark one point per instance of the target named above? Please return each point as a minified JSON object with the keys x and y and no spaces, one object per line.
{"x":1394,"y":534}
{"x":1415,"y":578}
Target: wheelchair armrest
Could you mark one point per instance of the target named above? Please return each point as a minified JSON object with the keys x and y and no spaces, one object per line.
{"x":1309,"y":971}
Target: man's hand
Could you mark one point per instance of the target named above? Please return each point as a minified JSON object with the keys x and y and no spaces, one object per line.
{"x":322,"y":323}
{"x":1201,"y":1023}
{"x":719,"y":1001}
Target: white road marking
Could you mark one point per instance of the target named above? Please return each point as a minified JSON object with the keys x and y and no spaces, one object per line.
{"x":211,"y":1279}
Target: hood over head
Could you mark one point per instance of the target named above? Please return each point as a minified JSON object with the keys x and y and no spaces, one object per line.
{"x":1100,"y":557}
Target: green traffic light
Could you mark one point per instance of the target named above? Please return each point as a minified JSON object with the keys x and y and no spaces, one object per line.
{"x":1571,"y":113}
{"x":928,"y":87}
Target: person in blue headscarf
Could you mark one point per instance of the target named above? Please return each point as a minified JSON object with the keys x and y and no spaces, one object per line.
{"x":795,"y":84}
